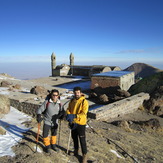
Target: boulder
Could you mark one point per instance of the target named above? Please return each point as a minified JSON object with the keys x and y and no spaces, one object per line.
{"x":4,"y":104}
{"x":5,"y":83}
{"x":123,"y":93}
{"x":103,"y":98}
{"x":112,"y":90}
{"x":153,"y":123}
{"x":155,"y":103}
{"x":17,"y":86}
{"x":123,"y":124}
{"x":99,"y":91}
{"x":39,"y":90}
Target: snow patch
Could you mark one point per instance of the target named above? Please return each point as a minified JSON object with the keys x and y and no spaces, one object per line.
{"x":12,"y":123}
{"x":115,"y":152}
{"x":38,"y":149}
{"x":6,"y":78}
{"x":4,"y":91}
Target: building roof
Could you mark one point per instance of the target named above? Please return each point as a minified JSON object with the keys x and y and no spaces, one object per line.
{"x":115,"y":74}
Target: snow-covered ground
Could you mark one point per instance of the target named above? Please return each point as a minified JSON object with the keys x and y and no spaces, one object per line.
{"x":83,"y":84}
{"x":12,"y":123}
{"x":4,"y":91}
{"x":6,"y":77}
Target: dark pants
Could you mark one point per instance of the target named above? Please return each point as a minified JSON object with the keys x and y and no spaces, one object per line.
{"x":79,"y":133}
{"x":46,"y":129}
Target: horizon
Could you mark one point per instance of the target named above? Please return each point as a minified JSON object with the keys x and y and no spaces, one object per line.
{"x":94,"y":31}
{"x":34,"y":70}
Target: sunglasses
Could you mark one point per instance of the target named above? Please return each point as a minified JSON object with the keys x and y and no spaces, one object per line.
{"x":54,"y":95}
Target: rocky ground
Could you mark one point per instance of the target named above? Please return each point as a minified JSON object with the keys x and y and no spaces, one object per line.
{"x":127,"y":135}
{"x":136,"y":137}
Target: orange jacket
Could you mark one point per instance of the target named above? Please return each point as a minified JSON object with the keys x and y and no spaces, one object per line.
{"x":80,"y":108}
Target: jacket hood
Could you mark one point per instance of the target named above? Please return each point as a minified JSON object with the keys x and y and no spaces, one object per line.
{"x":58,"y":101}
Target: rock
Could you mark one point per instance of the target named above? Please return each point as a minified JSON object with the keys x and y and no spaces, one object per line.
{"x":5,"y":104}
{"x":124,"y":125}
{"x":5,"y":83}
{"x":99,"y":90}
{"x":155,"y":103}
{"x":123,"y":93}
{"x":116,"y":98}
{"x":159,"y":112}
{"x":112,"y":90}
{"x":92,"y":95}
{"x":17,"y":86}
{"x":103,"y":98}
{"x":153,"y":123}
{"x":2,"y":131}
{"x":39,"y":90}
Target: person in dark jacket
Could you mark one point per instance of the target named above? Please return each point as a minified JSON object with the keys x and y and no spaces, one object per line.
{"x":52,"y":111}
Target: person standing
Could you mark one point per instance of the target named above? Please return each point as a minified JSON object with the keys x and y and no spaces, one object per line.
{"x":77,"y":118}
{"x":51,"y":111}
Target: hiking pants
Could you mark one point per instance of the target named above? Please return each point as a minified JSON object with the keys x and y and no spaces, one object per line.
{"x":79,"y":133}
{"x":46,"y":138}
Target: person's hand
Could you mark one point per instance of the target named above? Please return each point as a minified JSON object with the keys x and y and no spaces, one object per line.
{"x":72,"y":126}
{"x":70,"y":117}
{"x":61,"y":114}
{"x":39,"y":118}
{"x":54,"y":118}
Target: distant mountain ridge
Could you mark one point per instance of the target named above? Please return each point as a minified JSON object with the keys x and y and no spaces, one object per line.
{"x":142,"y":69}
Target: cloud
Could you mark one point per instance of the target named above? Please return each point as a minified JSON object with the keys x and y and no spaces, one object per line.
{"x":131,"y":51}
{"x":153,"y":50}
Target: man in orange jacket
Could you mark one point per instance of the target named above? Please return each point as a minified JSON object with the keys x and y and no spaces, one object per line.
{"x":77,"y":118}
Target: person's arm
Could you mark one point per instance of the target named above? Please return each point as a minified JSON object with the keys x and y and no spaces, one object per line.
{"x":83,"y":111}
{"x":70,"y":117}
{"x":39,"y":111}
{"x":42,"y":108}
{"x":68,"y":109}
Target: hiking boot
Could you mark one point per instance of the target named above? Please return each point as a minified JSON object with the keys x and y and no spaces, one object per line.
{"x":75,"y":152}
{"x":84,"y":158}
{"x":54,"y":147}
{"x":47,"y":149}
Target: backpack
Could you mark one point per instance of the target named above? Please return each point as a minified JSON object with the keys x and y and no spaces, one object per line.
{"x":61,"y":113}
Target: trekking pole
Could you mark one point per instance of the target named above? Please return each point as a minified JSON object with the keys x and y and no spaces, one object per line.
{"x":37,"y":137}
{"x":68,"y":145}
{"x":59,"y":131}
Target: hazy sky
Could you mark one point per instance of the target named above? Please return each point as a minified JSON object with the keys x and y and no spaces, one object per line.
{"x":111,"y":32}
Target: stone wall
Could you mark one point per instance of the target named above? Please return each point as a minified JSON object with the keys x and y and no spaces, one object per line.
{"x":126,"y":81}
{"x":119,"y":108}
{"x":26,"y":107}
{"x":104,"y":82}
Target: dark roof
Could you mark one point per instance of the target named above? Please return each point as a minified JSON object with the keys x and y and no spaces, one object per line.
{"x":115,"y":74}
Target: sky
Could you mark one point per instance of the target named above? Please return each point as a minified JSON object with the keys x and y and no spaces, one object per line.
{"x":108,"y":32}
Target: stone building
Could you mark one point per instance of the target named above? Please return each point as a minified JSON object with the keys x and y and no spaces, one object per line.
{"x":78,"y":70}
{"x":61,"y":70}
{"x":123,"y":79}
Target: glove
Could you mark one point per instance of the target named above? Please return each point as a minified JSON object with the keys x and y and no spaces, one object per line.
{"x":72,"y":126}
{"x":70,"y":117}
{"x":54,"y":118}
{"x":61,"y":114}
{"x":39,"y":118}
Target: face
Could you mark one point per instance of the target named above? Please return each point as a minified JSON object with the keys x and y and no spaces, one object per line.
{"x":54,"y":96}
{"x":77,"y":94}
